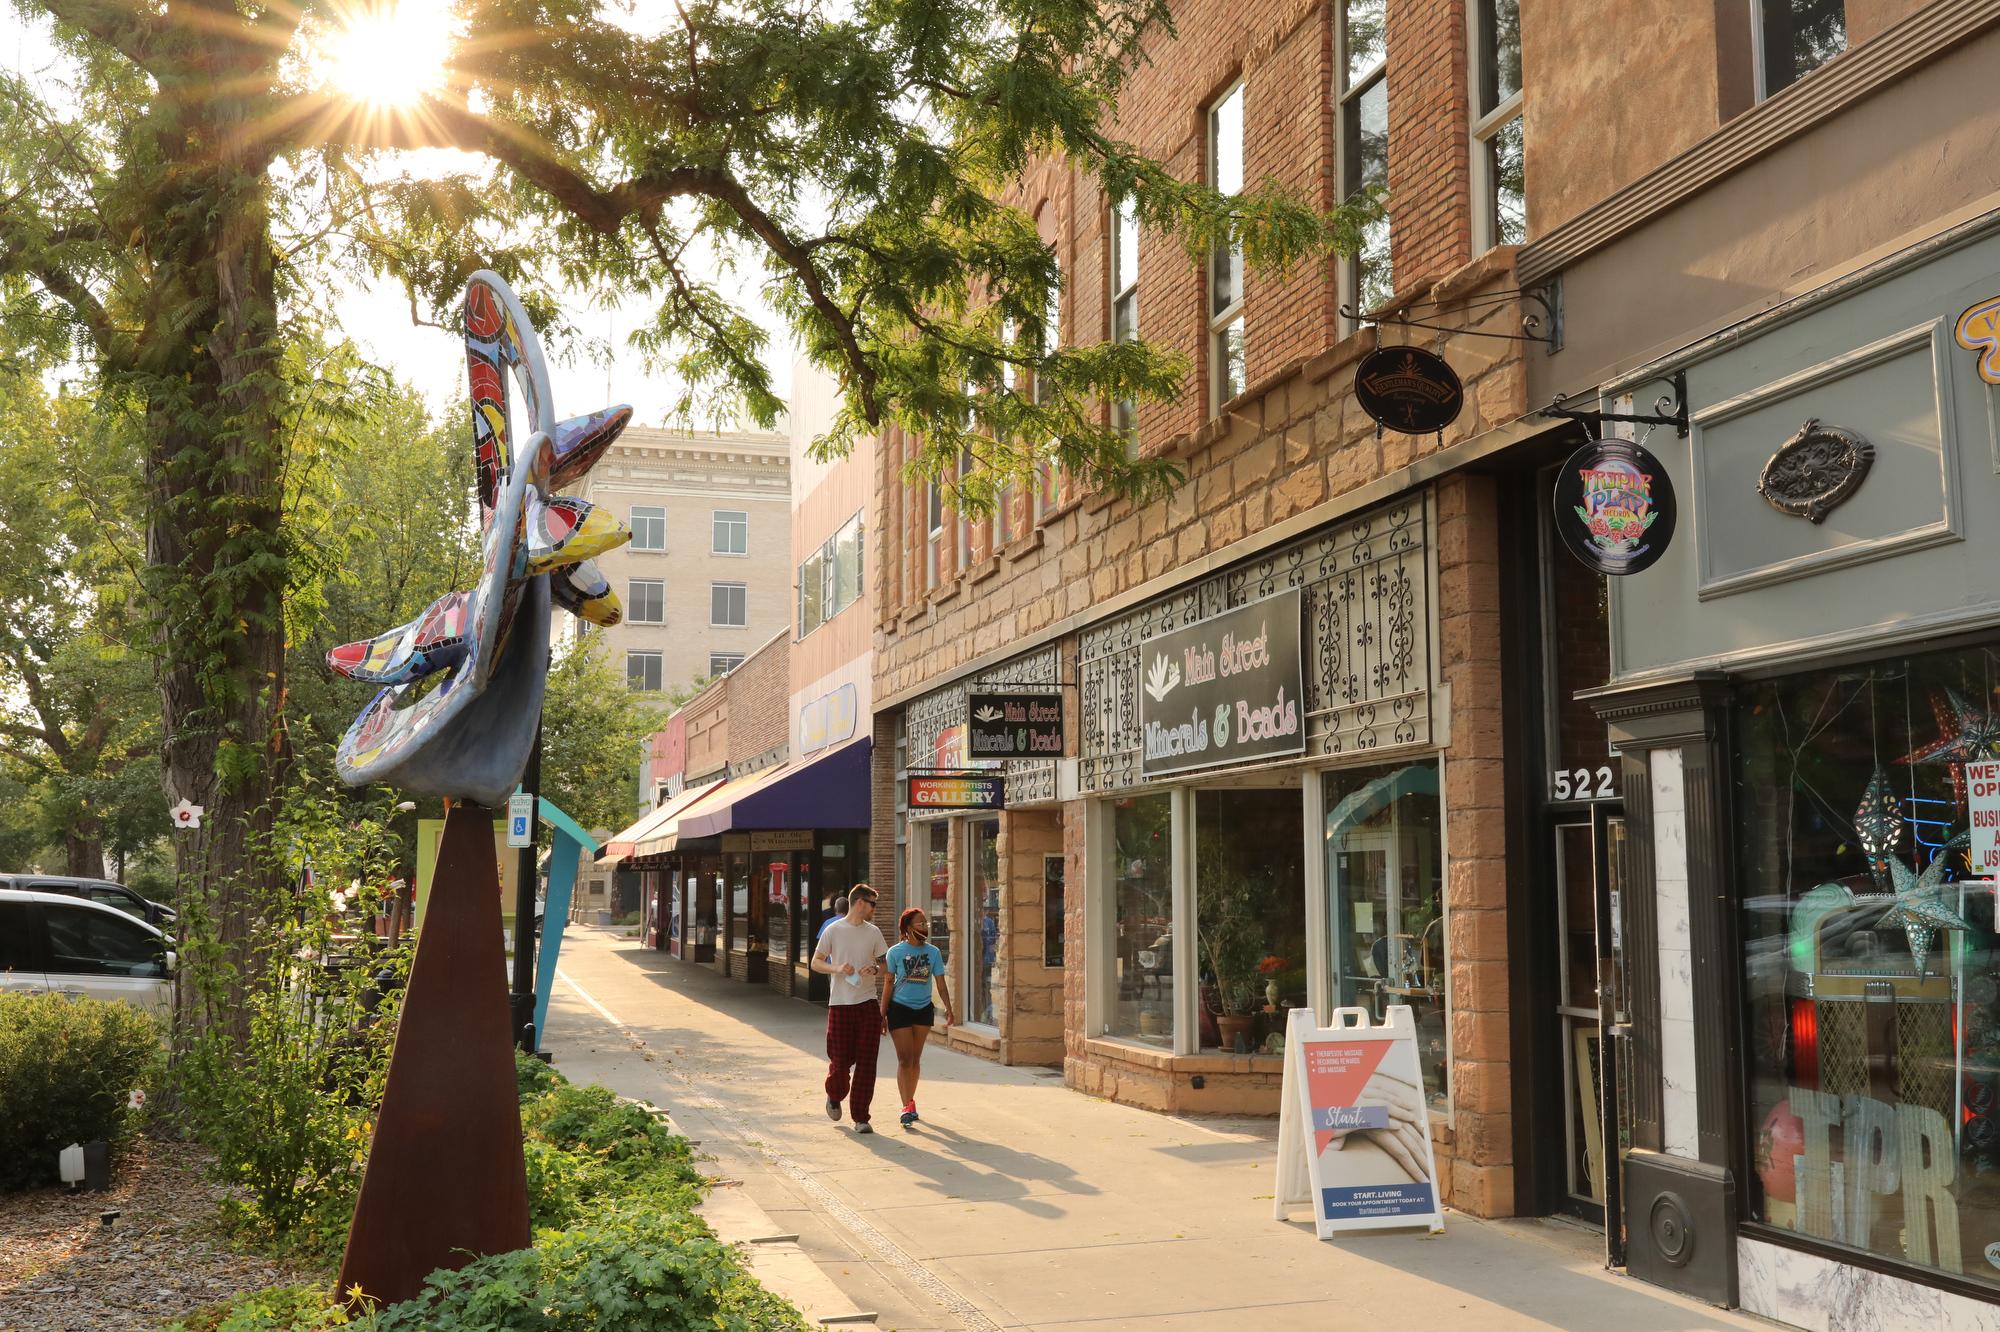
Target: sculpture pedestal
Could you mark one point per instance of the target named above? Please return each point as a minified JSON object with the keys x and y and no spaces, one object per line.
{"x":445,"y":1182}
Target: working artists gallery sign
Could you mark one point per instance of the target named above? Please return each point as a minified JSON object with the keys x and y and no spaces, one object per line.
{"x":1224,"y":690}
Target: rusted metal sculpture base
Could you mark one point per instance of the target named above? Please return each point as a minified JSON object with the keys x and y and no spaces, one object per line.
{"x":445,"y":1182}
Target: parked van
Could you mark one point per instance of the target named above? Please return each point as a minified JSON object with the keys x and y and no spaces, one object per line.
{"x":74,"y":946}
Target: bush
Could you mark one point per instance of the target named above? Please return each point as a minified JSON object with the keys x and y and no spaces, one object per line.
{"x":276,"y":1309}
{"x":68,"y":1068}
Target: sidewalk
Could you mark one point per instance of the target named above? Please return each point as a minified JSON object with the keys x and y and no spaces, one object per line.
{"x":1021,"y":1204}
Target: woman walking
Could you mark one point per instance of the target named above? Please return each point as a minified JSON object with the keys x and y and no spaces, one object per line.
{"x":913,"y":966}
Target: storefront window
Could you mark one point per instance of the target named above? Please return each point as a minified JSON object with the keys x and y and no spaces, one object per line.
{"x":936,"y":839}
{"x":1143,"y":913}
{"x":779,"y":891}
{"x":983,"y":940}
{"x":1871,"y":971}
{"x":1385,"y":871}
{"x":738,"y":868}
{"x":1250,"y":914}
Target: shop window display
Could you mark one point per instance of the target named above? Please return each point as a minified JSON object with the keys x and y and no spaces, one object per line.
{"x":1250,"y":918}
{"x":1870,"y":988}
{"x":983,"y":940}
{"x":1143,"y":919}
{"x":1385,"y":871}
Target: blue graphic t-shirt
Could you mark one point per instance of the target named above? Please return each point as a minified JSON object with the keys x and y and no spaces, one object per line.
{"x":913,"y":965}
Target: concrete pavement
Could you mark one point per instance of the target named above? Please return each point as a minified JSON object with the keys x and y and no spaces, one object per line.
{"x":1021,"y":1204}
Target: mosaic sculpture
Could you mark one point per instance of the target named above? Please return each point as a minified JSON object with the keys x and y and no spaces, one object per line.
{"x":456,"y":716}
{"x":462,"y":683}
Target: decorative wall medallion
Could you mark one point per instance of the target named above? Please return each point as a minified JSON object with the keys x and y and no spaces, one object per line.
{"x":1408,"y":389}
{"x":1816,"y":470}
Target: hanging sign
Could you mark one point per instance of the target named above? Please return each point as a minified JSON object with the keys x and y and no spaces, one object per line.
{"x":1614,"y":506}
{"x":959,"y":790}
{"x":520,"y":819}
{"x":1014,"y":725}
{"x":1408,"y":390}
{"x":1982,"y":799}
{"x":1354,"y":1136}
{"x":1978,"y":330}
{"x":1224,"y":690}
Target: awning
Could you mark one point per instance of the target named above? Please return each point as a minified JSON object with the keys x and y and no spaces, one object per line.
{"x":666,"y":835}
{"x":623,"y":845}
{"x":831,"y":791}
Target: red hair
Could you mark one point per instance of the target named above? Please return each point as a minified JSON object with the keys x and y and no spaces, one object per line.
{"x":909,"y":914}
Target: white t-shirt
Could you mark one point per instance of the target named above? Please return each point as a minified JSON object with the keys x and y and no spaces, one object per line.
{"x":861,"y":945}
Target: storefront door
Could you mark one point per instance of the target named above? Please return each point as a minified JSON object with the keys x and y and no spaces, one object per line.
{"x":1588,"y":857}
{"x":982,"y":922}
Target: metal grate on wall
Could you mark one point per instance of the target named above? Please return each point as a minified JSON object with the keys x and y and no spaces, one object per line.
{"x":1365,"y":584}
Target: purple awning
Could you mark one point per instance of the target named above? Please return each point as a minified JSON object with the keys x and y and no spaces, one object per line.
{"x":831,"y":791}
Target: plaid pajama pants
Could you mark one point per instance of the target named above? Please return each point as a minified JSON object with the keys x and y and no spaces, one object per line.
{"x":853,"y":1036}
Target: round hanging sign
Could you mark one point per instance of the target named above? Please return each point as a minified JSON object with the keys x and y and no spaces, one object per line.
{"x":1615,"y":506}
{"x":1408,"y":390}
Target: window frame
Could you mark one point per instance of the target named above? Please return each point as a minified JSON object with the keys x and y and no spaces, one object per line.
{"x":724,"y":585}
{"x":1220,"y":323}
{"x":648,"y":513}
{"x":738,"y":519}
{"x":639,"y":657}
{"x":1486,"y":127}
{"x":1347,"y":97}
{"x":734,"y":659}
{"x":632,"y":586}
{"x":934,"y":537}
{"x":1760,"y":77}
{"x":1120,"y":217}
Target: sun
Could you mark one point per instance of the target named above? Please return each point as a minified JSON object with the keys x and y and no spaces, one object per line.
{"x":389,"y":52}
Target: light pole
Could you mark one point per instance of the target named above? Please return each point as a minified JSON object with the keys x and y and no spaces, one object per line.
{"x":524,"y":906}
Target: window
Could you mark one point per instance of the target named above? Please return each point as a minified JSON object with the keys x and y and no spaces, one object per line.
{"x":964,"y":523}
{"x":1385,"y":874}
{"x":1142,"y":1000}
{"x":732,"y":532}
{"x":1499,"y":177}
{"x":647,"y":598}
{"x":1051,"y":341}
{"x":1792,"y":38}
{"x":1250,"y":913}
{"x":830,"y":578}
{"x":1227,"y":376}
{"x":722,"y":663}
{"x":1363,"y":96}
{"x":983,"y":928}
{"x":1124,"y":269}
{"x":642,"y":671}
{"x":727,"y":605}
{"x":649,"y":528}
{"x":1052,"y":911}
{"x":933,"y":546}
{"x":97,"y":943}
{"x":1870,"y":957}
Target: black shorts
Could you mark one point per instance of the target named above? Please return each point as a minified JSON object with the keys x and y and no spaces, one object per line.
{"x":901,"y":1015}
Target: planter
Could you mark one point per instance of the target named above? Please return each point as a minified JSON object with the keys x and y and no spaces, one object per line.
{"x":1237,"y":1031}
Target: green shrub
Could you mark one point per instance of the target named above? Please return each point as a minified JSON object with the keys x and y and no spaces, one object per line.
{"x":276,"y":1309}
{"x":635,"y":1270}
{"x":593,"y":1121}
{"x":533,"y":1076}
{"x":68,"y":1068}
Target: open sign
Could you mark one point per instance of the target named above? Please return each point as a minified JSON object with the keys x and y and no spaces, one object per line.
{"x":1982,"y":799}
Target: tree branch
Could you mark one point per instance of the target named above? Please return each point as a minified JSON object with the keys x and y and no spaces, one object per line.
{"x":124,"y":27}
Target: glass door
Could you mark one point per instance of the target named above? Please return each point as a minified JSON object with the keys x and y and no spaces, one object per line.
{"x":1589,"y":857}
{"x":982,"y":935}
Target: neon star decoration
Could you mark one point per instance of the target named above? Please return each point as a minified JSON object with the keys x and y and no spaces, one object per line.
{"x":1964,"y":735}
{"x":1878,"y":822}
{"x":1920,"y":906}
{"x":462,"y":683}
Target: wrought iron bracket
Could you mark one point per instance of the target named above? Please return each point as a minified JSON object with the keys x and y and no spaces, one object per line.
{"x":1668,"y":409}
{"x":1544,"y":326}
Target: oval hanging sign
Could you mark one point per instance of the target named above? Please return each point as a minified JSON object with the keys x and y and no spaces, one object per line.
{"x":1408,"y":390}
{"x":1615,"y":506}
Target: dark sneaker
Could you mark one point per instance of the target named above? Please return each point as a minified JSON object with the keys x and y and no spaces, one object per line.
{"x":864,"y":1127}
{"x":909,"y":1118}
{"x":833,"y":1111}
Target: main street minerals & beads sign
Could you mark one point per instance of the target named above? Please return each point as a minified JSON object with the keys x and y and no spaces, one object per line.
{"x":1225,"y":690}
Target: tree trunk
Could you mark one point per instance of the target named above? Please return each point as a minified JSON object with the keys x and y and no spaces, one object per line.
{"x":215,"y":548}
{"x":83,"y":851}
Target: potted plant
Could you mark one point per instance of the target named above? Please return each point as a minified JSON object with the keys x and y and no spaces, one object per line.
{"x":1232,"y":945}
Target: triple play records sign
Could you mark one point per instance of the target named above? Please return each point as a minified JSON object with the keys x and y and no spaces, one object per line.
{"x":1614,"y":506}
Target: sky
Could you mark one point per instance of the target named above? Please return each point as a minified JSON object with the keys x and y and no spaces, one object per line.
{"x":377,"y":317}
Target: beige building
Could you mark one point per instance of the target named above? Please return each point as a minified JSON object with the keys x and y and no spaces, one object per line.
{"x":707,"y":575}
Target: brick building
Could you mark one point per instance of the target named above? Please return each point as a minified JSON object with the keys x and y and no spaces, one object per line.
{"x":1511,"y":767}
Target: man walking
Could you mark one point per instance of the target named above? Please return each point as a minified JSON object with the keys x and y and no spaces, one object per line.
{"x":851,"y":951}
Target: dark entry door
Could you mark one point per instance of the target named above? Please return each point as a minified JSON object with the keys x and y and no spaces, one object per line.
{"x":1589,"y":853}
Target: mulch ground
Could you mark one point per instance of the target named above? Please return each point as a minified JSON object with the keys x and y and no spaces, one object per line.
{"x":63,"y":1269}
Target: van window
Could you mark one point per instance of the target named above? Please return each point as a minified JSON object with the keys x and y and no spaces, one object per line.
{"x":97,"y":943}
{"x":18,"y":934}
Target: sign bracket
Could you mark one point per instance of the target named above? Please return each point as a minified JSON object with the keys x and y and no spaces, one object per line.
{"x":1668,"y":409}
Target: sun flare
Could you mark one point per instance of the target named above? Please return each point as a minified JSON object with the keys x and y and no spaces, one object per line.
{"x":390,"y":52}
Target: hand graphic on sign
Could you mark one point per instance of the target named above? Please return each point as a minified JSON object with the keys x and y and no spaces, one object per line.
{"x":1409,"y":1121}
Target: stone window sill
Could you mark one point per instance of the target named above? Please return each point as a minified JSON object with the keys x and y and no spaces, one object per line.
{"x":1125,"y":1052}
{"x":1025,"y":546}
{"x":983,"y":570}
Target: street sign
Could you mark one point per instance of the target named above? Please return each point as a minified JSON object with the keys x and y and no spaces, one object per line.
{"x":963,"y":790}
{"x":1014,"y":725}
{"x":520,"y":819}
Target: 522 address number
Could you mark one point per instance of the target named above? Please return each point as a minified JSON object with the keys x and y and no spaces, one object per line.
{"x":1584,"y":783}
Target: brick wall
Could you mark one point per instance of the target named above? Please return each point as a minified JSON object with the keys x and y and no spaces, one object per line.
{"x":759,"y":702}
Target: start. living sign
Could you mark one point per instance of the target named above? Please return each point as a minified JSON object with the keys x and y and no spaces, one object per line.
{"x":1223,"y":691}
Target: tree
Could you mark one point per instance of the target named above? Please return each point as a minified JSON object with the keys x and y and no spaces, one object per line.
{"x":594,"y":732}
{"x":176,"y":211}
